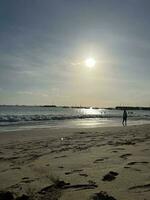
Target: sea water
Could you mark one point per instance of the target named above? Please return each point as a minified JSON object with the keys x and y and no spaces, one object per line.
{"x":27,"y":117}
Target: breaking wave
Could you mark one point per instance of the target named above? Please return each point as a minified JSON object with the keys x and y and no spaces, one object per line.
{"x":17,"y":119}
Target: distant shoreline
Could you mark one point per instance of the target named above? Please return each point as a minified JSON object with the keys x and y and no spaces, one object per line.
{"x":86,"y":107}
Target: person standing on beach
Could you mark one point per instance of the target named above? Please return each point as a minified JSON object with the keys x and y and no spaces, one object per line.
{"x":124,"y":121}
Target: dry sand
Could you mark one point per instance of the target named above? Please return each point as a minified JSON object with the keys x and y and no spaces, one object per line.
{"x":31,"y":158}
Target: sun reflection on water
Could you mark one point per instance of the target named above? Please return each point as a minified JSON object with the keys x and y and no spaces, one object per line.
{"x":92,"y":111}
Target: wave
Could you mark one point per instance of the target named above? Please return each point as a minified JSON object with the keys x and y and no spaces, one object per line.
{"x":17,"y":118}
{"x":9,"y":119}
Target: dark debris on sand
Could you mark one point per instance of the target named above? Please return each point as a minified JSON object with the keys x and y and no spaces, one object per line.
{"x":62,"y":185}
{"x":110,"y":176}
{"x":102,"y":196}
{"x":23,"y":197}
{"x":54,"y":191}
{"x":6,"y":196}
{"x":9,"y":196}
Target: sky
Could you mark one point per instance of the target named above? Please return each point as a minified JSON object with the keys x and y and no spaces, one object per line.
{"x":44,"y":45}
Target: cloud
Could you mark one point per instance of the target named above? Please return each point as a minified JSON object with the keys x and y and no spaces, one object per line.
{"x":98,"y":61}
{"x":76,"y":63}
{"x":27,"y":73}
{"x":44,"y":94}
{"x":35,"y":93}
{"x":25,"y":93}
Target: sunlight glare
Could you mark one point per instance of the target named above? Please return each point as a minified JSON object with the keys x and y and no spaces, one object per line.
{"x":90,"y":62}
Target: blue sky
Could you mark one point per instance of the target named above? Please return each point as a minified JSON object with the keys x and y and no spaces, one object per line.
{"x":43,"y":46}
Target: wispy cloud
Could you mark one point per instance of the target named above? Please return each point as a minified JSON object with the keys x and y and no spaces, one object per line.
{"x":25,"y":93}
{"x":33,"y":93}
{"x":27,"y":73}
{"x":76,"y":63}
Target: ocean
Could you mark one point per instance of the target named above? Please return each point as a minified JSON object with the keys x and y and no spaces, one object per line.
{"x":27,"y":117}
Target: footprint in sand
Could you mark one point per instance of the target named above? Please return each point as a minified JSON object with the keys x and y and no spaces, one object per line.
{"x":133,"y":163}
{"x":83,"y":174}
{"x":102,"y":196}
{"x":60,"y":167}
{"x":27,"y":181}
{"x":135,"y":169}
{"x":63,"y":156}
{"x":100,"y":160}
{"x":141,"y":188}
{"x":73,"y":171}
{"x":110,"y":176}
{"x":125,"y":156}
{"x":25,"y":178}
{"x":16,"y":168}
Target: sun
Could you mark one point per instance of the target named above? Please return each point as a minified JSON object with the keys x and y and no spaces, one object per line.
{"x":90,"y":62}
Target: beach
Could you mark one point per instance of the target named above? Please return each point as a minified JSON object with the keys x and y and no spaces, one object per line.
{"x":111,"y":159}
{"x":74,"y":100}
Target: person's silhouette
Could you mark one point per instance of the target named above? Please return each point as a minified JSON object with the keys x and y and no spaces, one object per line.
{"x":124,"y":121}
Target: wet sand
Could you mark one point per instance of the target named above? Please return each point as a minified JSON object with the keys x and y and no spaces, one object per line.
{"x":114,"y":159}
